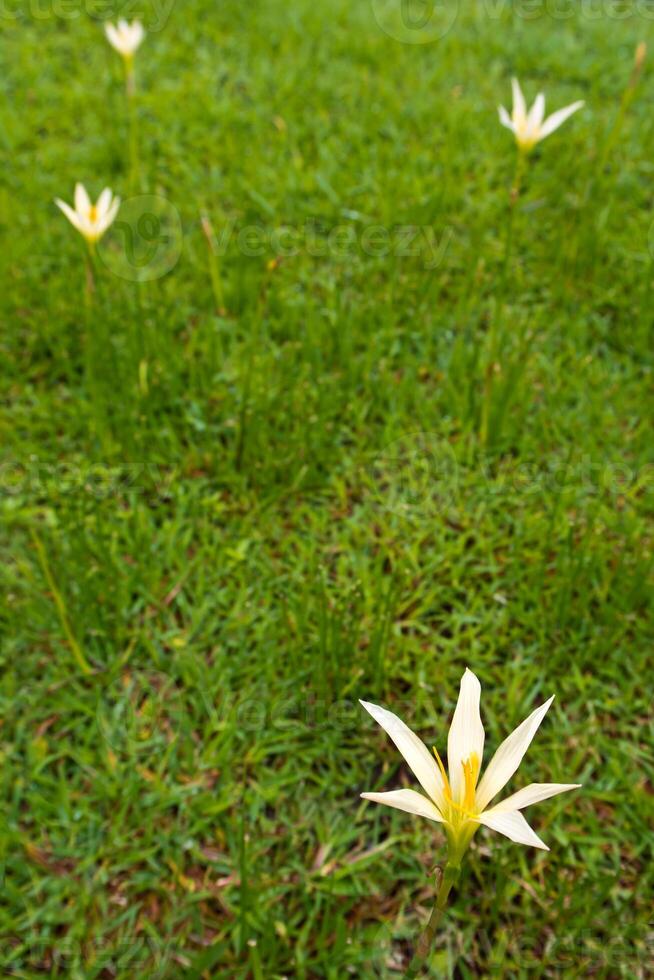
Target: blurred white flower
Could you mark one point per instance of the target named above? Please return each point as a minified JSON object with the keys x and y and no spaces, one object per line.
{"x":531,"y":127}
{"x":125,"y":38}
{"x":458,"y":802}
{"x":91,"y":220}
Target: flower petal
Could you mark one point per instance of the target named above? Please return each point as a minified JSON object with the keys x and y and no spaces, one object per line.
{"x":509,"y":756}
{"x":112,"y":212}
{"x":534,"y":793}
{"x":559,"y":117}
{"x":72,"y":216}
{"x":466,"y":733}
{"x":106,"y":220}
{"x":514,"y":826}
{"x":519,"y":107}
{"x":408,"y":800}
{"x":536,"y":114}
{"x":138,"y":33}
{"x":420,"y":760}
{"x":104,"y":203}
{"x":82,"y":200}
{"x":112,"y":36}
{"x":505,"y":118}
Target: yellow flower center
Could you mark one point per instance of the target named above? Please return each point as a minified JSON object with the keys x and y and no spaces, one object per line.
{"x":93,"y":214}
{"x":465,"y":809}
{"x":526,"y":136}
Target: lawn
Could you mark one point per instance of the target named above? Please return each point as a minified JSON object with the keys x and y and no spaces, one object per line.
{"x":340,"y":418}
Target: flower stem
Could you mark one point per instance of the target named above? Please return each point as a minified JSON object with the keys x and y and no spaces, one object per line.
{"x":89,"y":305}
{"x":89,"y":287}
{"x":494,"y":338}
{"x":514,"y":196}
{"x":130,"y":88}
{"x":130,"y":81}
{"x":426,"y":940}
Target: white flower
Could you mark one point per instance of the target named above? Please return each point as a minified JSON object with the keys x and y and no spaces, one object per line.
{"x":529,"y":127}
{"x":91,"y":220}
{"x":125,"y":38}
{"x":459,"y":802}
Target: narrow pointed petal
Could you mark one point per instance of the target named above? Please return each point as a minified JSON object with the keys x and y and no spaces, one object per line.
{"x":536,"y":113}
{"x":70,"y":214}
{"x":104,"y":203}
{"x":557,"y":118}
{"x":534,"y":793}
{"x":112,"y":212}
{"x":112,"y":36}
{"x":509,"y":756}
{"x":408,"y":800}
{"x":108,"y":219}
{"x":505,"y":118}
{"x":514,"y":826}
{"x":82,"y":200}
{"x":420,"y":760}
{"x":519,"y":107}
{"x":138,"y":33}
{"x":466,"y":733}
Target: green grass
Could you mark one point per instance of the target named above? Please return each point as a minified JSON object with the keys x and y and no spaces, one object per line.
{"x":249,"y":513}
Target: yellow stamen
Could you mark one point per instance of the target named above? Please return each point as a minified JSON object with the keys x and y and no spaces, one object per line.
{"x":447,"y":790}
{"x":470,"y":774}
{"x":446,"y":782}
{"x":93,"y":214}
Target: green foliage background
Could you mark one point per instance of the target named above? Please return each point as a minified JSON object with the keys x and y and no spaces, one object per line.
{"x":248,"y":514}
